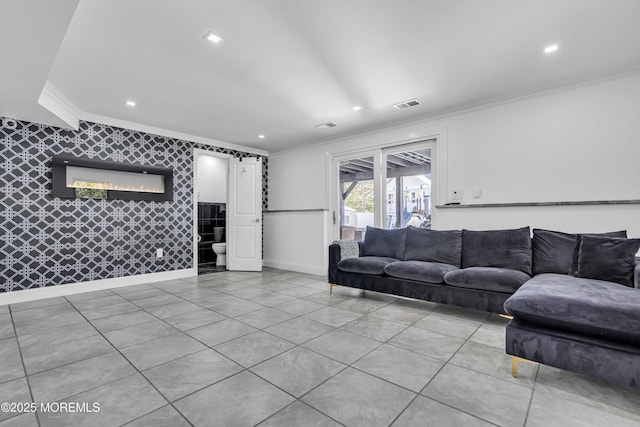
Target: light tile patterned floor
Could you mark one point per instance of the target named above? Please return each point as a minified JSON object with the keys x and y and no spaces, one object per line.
{"x":276,"y":349}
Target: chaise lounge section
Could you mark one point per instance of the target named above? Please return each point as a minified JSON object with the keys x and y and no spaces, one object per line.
{"x":586,"y":325}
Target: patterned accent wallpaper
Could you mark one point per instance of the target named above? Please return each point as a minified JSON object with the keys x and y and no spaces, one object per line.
{"x":47,"y":241}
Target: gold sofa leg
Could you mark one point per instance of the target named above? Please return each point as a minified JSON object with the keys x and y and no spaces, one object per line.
{"x":515,"y":361}
{"x":331,"y":285}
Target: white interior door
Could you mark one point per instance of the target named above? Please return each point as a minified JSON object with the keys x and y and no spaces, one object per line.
{"x":244,"y":243}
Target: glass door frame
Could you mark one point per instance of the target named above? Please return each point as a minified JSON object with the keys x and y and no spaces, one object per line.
{"x":430,"y":145}
{"x":336,"y":190}
{"x":379,"y":177}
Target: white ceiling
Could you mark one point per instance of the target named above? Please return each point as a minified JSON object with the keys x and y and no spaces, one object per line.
{"x":31,"y":32}
{"x":286,"y":65}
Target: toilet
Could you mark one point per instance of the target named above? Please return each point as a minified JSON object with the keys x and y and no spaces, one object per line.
{"x":217,"y":234}
{"x":221,"y":250}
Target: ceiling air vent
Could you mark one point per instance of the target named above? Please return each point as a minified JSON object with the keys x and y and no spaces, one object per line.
{"x":326,"y":125}
{"x":406,"y":104}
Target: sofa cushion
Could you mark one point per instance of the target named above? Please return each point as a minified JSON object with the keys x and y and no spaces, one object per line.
{"x":487,"y":279}
{"x":422,"y":271}
{"x":384,"y":243}
{"x":552,"y":251}
{"x":590,"y":307}
{"x":433,"y":246}
{"x":366,"y":264}
{"x":557,"y":252}
{"x":608,"y":258}
{"x":509,"y":249}
{"x":576,"y":250}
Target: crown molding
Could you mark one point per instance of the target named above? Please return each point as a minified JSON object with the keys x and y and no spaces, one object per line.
{"x":111,"y":121}
{"x":60,"y":105}
{"x":479,"y":105}
{"x":52,"y":99}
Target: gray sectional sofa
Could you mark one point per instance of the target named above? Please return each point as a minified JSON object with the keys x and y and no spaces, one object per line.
{"x":472,"y":269}
{"x":574,"y":298}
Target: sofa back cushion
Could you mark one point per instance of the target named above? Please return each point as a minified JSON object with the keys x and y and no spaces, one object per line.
{"x":552,"y":251}
{"x":576,"y":251}
{"x":497,"y":248}
{"x":433,"y":246}
{"x":607,"y":258}
{"x":384,"y":243}
{"x":557,"y":252}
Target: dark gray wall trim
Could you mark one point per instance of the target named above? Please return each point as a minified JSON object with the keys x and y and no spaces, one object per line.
{"x":297,"y":210}
{"x":47,"y":241}
{"x":516,"y":204}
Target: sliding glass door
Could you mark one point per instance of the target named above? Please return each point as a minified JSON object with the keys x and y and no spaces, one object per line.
{"x":385,"y":188}
{"x":408,"y":187}
{"x":357,"y":196}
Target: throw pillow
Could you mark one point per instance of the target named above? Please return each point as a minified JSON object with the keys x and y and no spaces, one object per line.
{"x":552,"y":251}
{"x":574,"y":262}
{"x":384,"y":243}
{"x":497,"y":248}
{"x":433,"y":246}
{"x":556,"y":252}
{"x":607,"y":258}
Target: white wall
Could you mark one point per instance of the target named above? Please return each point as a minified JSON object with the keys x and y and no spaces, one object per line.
{"x":295,"y":241}
{"x":212,"y":179}
{"x":297,"y":180}
{"x":578,"y":144}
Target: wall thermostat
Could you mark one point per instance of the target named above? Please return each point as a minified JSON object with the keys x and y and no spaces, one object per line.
{"x":9,"y":123}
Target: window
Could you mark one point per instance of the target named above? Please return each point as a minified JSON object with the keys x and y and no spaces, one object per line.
{"x":394,"y":196}
{"x":408,"y":188}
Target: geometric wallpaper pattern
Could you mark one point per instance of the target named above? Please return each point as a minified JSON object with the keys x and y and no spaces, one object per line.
{"x":49,"y":241}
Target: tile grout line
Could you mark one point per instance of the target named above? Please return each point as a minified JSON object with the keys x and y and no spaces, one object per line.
{"x":248,"y":369}
{"x":244,"y":369}
{"x":137,"y":372}
{"x":295,"y":345}
{"x":434,"y":375}
{"x":177,"y":331}
{"x":24,"y":368}
{"x":90,"y":321}
{"x":533,"y":392}
{"x":363,"y":356}
{"x":303,"y":403}
{"x":438,"y":372}
{"x":346,"y":365}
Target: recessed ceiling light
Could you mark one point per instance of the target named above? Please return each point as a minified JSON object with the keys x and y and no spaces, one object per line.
{"x":357,"y":108}
{"x":131,"y":103}
{"x":214,"y":38}
{"x":261,"y":136}
{"x":550,"y":49}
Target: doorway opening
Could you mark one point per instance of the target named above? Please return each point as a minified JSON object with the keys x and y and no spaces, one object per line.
{"x":227,"y":212}
{"x":212,"y":220}
{"x":211,"y":171}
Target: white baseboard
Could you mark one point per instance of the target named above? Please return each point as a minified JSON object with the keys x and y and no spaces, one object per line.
{"x":93,"y":285}
{"x":300,"y":268}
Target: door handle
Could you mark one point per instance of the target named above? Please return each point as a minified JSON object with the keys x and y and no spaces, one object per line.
{"x":256,"y":220}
